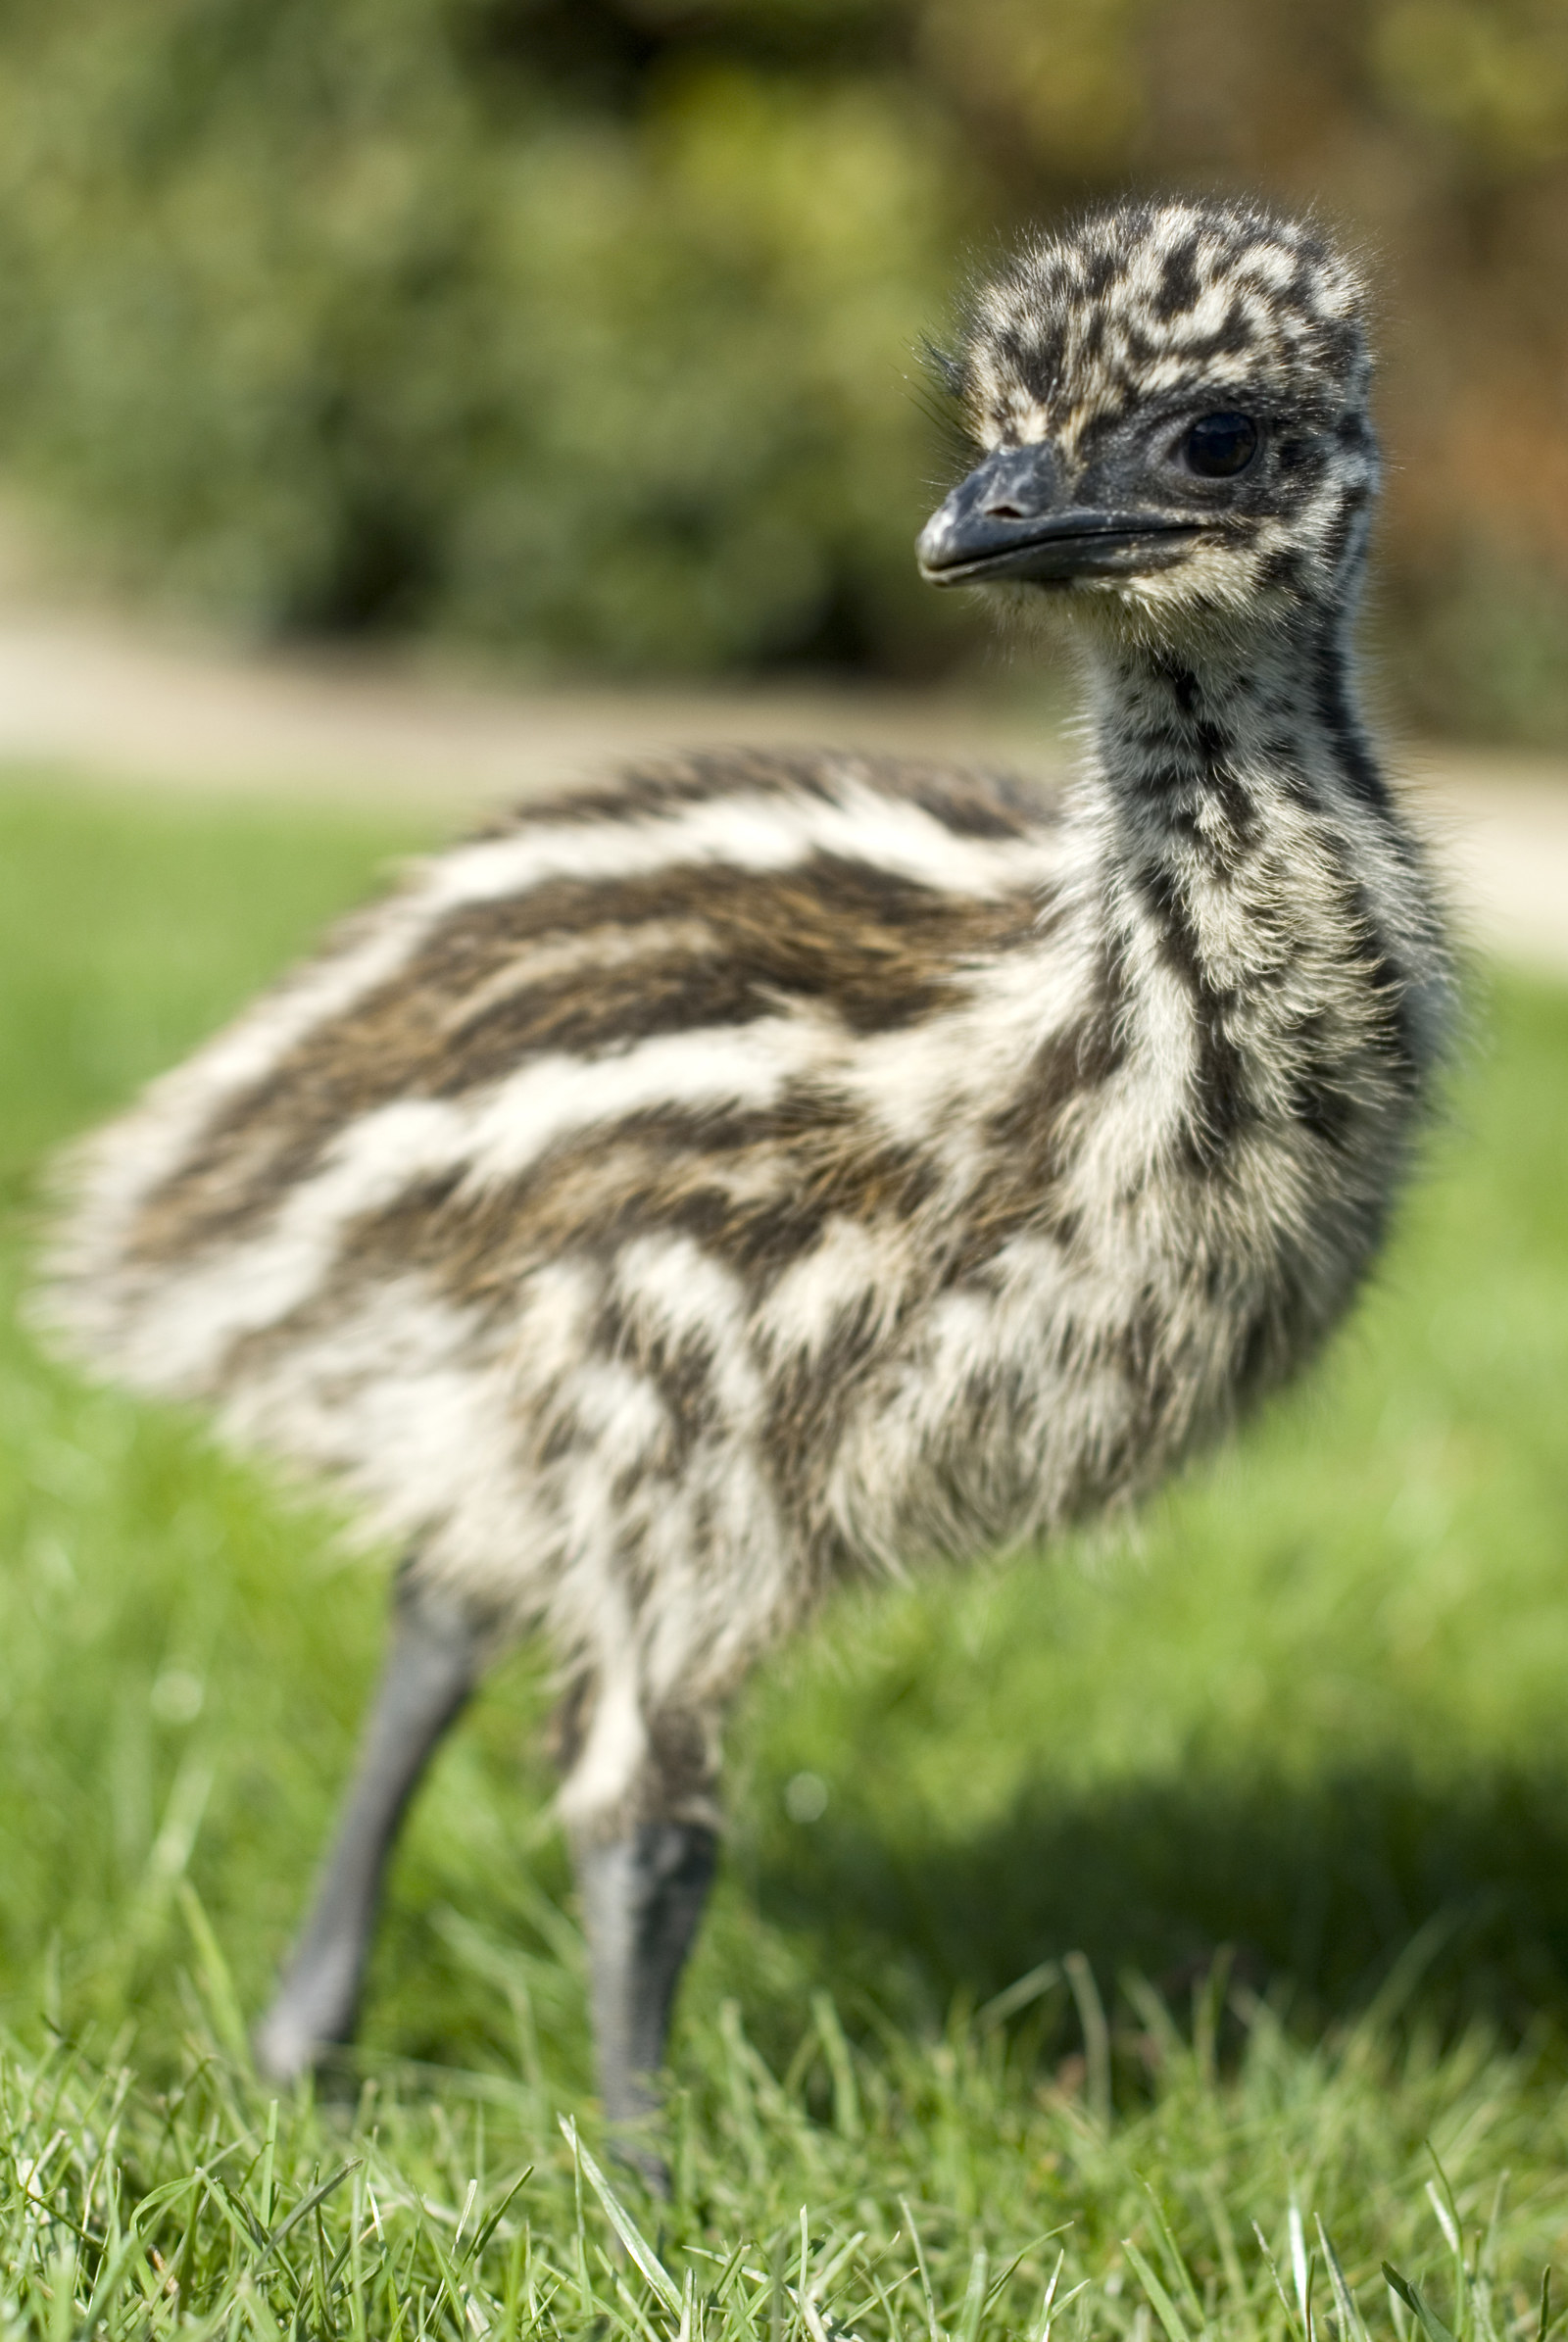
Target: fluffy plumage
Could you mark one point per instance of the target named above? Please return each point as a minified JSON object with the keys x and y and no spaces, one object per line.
{"x":777,"y":1167}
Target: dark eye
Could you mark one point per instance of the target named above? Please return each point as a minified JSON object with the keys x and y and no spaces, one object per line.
{"x":1221,"y":445}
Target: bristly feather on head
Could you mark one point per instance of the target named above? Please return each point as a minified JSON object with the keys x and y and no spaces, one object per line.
{"x":1102,"y":344}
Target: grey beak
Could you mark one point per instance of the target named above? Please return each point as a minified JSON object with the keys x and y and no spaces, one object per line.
{"x":1011,"y":518}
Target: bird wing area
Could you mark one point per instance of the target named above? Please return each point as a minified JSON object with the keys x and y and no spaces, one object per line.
{"x":691,"y":1003}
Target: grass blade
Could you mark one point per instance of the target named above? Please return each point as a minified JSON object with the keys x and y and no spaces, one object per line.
{"x":1165,"y":2309}
{"x":626,"y":2227}
{"x":1417,"y":2303}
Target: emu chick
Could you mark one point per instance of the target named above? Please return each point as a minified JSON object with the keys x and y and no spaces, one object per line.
{"x":779,"y":1167}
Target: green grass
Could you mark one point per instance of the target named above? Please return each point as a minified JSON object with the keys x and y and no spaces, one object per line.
{"x":1288,"y":1770}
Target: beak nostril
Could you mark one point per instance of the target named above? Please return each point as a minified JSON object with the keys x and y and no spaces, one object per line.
{"x":1003,"y":512}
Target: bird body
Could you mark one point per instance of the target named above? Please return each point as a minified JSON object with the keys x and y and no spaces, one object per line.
{"x":776,"y":1168}
{"x":669,"y":1203}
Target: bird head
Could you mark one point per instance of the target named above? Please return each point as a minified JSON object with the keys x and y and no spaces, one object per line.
{"x":1170,"y":402}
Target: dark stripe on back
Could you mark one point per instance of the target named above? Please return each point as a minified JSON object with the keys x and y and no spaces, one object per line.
{"x":972,"y":801}
{"x":870,"y":950}
{"x":755,"y":1190}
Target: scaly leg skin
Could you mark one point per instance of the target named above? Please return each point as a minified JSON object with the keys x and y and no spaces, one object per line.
{"x":436,"y":1658}
{"x":642,"y":1897}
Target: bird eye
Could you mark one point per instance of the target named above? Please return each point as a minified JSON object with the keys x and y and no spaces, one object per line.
{"x":1222,"y":445}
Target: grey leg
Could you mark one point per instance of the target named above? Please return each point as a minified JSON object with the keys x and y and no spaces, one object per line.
{"x":435,"y":1660}
{"x":642,"y":1898}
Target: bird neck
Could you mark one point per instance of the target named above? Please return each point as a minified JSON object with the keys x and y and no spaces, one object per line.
{"x":1194,"y":744}
{"x":1244,"y":837}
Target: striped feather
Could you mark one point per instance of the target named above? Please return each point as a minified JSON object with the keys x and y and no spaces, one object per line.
{"x":771,"y":1167}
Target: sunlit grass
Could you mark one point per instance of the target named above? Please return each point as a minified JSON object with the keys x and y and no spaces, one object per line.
{"x":1288,"y":1770}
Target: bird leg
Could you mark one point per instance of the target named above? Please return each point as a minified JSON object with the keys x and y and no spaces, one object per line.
{"x":438,"y":1646}
{"x":642,"y":1897}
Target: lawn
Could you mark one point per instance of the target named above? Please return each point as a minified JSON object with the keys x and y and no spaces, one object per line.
{"x":1076,"y":1916}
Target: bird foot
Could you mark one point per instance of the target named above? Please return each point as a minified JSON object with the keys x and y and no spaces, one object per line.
{"x":308,"y":2022}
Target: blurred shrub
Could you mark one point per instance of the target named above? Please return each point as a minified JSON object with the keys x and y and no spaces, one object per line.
{"x":586,"y":328}
{"x":354,"y":312}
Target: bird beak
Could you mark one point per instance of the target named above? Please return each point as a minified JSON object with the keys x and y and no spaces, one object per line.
{"x":1011,"y":518}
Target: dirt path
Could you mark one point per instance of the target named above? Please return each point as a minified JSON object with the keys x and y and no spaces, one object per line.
{"x":84,"y":693}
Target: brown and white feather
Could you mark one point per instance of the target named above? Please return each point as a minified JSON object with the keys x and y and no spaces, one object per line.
{"x":780,"y":1167}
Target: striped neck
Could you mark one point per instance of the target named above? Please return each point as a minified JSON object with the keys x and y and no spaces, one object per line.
{"x":1247,"y":846}
{"x":1194,"y":747}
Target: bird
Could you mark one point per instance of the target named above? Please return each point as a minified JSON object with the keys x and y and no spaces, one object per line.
{"x":762,"y":1169}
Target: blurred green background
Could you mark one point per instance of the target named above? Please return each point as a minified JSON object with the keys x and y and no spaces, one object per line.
{"x":587,"y":330}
